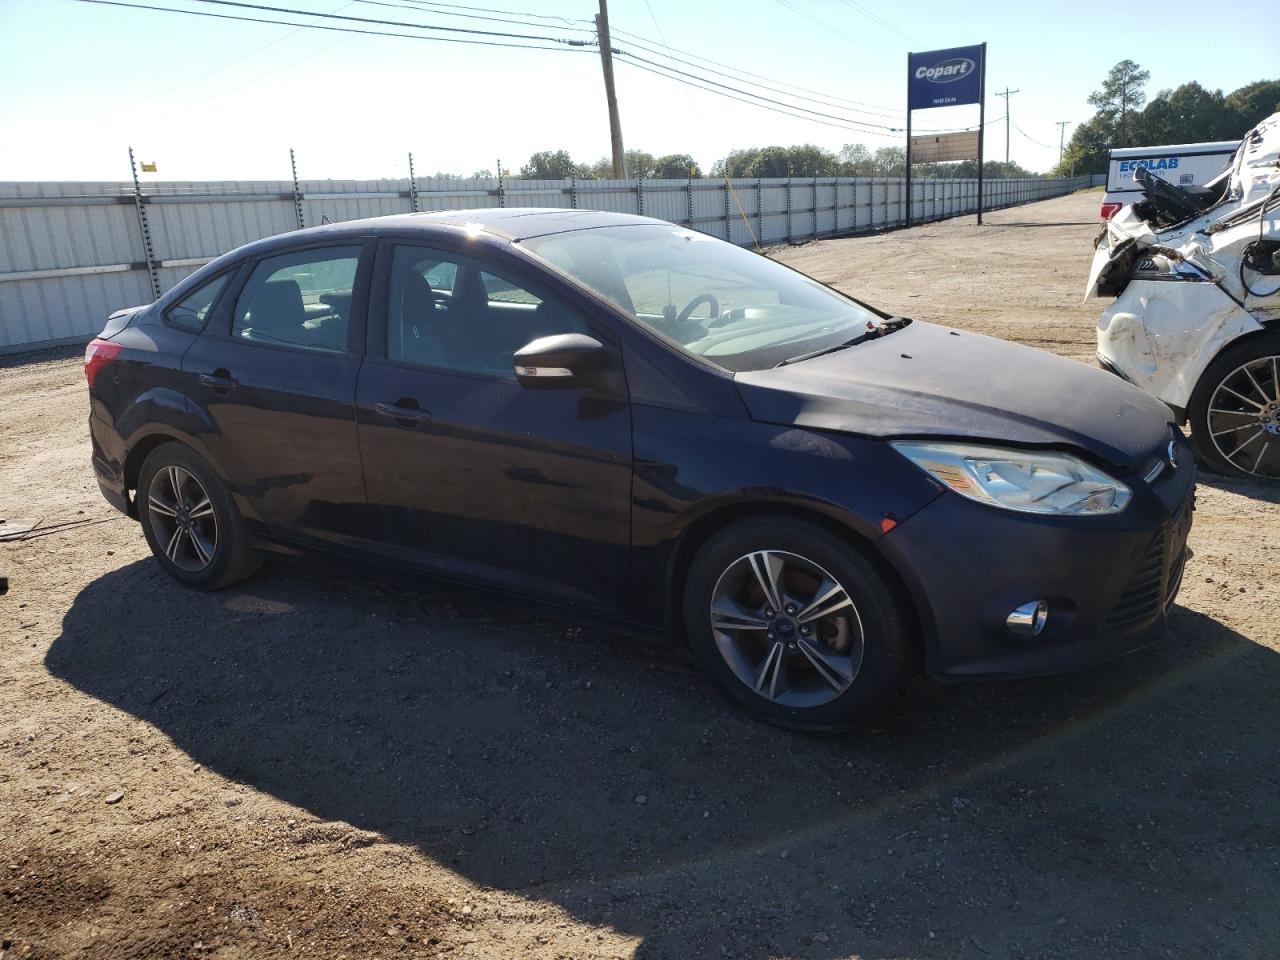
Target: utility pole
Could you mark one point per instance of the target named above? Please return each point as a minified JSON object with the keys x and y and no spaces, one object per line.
{"x":606,"y":61}
{"x":1006,"y":93}
{"x":1062,"y":132}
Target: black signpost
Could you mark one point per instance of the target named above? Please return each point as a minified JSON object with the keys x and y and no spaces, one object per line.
{"x":947,"y":78}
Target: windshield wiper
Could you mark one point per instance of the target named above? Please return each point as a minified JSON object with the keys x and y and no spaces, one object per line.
{"x":874,"y":331}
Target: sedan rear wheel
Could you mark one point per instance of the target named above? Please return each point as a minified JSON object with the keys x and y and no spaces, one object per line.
{"x":1235,"y":412}
{"x":190,"y":521}
{"x":799,"y":626}
{"x":183,"y":516}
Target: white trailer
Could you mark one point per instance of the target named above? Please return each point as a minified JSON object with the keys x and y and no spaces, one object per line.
{"x":1182,"y":164}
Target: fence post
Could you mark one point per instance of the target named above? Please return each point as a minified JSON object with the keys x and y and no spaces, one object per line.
{"x":573,"y":191}
{"x":689,"y":195}
{"x":759,"y":213}
{"x":413,"y":186}
{"x":728,"y":220}
{"x":297,"y":194}
{"x":788,"y":209}
{"x":640,"y":194}
{"x":815,"y":208}
{"x":502,"y":189}
{"x":148,"y":252}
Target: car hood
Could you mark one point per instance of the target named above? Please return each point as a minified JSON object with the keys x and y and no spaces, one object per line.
{"x":927,"y":380}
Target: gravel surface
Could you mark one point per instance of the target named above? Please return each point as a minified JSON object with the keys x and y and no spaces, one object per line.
{"x":326,"y":762}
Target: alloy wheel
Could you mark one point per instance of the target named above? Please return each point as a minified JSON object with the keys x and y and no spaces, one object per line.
{"x":787,"y":628}
{"x":182,"y":518}
{"x":1244,"y":417}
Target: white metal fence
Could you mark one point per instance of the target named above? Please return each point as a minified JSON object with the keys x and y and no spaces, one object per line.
{"x":70,"y":253}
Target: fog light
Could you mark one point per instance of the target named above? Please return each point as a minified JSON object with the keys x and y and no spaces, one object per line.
{"x":1029,"y":619}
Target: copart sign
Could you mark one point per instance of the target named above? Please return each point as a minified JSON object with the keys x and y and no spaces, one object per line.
{"x":944,"y":78}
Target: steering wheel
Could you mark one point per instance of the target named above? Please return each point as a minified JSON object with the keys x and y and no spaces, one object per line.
{"x":697,"y":301}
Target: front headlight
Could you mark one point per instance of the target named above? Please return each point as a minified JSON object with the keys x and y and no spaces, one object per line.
{"x":1031,"y":481}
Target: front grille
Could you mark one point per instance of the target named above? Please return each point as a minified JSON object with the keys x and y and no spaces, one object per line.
{"x":1142,"y":598}
{"x":1157,"y":575}
{"x":1175,"y":579}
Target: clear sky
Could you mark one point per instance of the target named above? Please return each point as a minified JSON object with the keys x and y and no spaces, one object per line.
{"x":217,"y":99}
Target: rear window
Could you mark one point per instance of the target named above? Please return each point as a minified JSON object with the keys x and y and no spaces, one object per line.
{"x":191,"y":313}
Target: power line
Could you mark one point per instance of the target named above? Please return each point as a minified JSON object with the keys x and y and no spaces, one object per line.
{"x":133,"y":105}
{"x":408,"y":5}
{"x":848,"y":123}
{"x":1047,"y":146}
{"x":652,"y":47}
{"x":800,"y":11}
{"x":751,"y":98}
{"x":440,"y":7}
{"x":280,"y":69}
{"x":874,"y":18}
{"x":833,"y":102}
{"x":729,"y":96}
{"x":642,"y":41}
{"x":873,"y":127}
{"x":566,"y":45}
{"x":241,"y":4}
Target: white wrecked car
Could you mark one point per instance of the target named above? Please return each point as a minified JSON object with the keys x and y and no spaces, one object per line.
{"x":1196,"y":320}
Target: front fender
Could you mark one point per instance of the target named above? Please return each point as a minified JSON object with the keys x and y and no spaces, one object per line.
{"x":693,"y":472}
{"x":1162,"y":334}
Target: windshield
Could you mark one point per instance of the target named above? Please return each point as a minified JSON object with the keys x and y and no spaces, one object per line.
{"x":736,"y":308}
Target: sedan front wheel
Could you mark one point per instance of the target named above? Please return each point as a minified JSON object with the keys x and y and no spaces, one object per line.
{"x":796,"y":624}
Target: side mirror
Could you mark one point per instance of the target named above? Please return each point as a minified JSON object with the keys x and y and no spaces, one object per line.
{"x":558,"y":362}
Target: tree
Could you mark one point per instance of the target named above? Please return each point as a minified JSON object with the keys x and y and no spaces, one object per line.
{"x":676,"y":165}
{"x":856,"y":161}
{"x":1121,"y":94}
{"x":805,"y":160}
{"x":549,"y":165}
{"x":890,"y":161}
{"x":1251,"y":104}
{"x":1189,"y":114}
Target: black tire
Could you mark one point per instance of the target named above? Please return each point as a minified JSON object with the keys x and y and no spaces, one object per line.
{"x":231,"y":559}
{"x":880,"y":614}
{"x":1210,"y":450}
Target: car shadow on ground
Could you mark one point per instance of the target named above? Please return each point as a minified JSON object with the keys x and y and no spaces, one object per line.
{"x":1123,"y":811}
{"x":1267,"y":491}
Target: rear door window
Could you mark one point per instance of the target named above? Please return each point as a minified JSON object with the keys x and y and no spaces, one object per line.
{"x":301,"y":299}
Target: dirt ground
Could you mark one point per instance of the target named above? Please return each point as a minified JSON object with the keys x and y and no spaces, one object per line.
{"x":324,"y":762}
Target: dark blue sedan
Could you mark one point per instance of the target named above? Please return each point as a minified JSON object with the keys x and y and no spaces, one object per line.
{"x":647,"y":424}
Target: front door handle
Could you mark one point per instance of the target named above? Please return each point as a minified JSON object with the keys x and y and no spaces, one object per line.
{"x":403,"y":415}
{"x":220,"y":380}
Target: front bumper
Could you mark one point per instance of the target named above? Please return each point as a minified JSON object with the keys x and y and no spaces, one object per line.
{"x":1109,"y":581}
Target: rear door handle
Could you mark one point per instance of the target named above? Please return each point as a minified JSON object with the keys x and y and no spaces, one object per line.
{"x":405,"y":416}
{"x":219,"y":380}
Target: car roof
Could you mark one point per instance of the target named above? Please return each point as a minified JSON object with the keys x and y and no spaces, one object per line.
{"x":508,"y":223}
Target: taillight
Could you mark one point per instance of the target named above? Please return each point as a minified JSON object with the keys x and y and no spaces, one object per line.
{"x":96,"y":356}
{"x":1109,"y":210}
